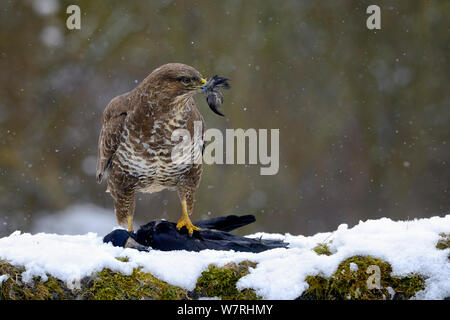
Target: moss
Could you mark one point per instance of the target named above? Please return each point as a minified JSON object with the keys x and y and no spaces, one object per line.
{"x":105,"y":285}
{"x":351,"y":283}
{"x":318,"y":289}
{"x":408,"y":286}
{"x":14,"y":288}
{"x":123,"y":259}
{"x":444,"y":242}
{"x":54,"y":288}
{"x":221,"y":282}
{"x":110,"y":285}
{"x":322,"y":248}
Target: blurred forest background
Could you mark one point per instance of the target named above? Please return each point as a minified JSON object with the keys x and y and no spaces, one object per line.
{"x":363,"y":114}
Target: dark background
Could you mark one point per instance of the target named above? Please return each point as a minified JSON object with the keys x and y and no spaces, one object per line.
{"x":363,"y":114}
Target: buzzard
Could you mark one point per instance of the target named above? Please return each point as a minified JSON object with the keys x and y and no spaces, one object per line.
{"x":135,"y":144}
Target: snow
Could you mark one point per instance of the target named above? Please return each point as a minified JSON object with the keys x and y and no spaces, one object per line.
{"x":3,"y":278}
{"x":409,"y":246}
{"x":353,"y":266}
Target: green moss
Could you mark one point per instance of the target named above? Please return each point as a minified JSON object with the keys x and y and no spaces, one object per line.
{"x":408,"y":286}
{"x":443,"y":243}
{"x":346,"y":283}
{"x":106,"y":285}
{"x":109,"y":285}
{"x":14,"y":288}
{"x":221,"y":282}
{"x":123,"y":259}
{"x":322,"y":248}
{"x":54,"y":288}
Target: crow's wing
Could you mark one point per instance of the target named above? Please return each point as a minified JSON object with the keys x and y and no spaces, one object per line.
{"x":227,"y":223}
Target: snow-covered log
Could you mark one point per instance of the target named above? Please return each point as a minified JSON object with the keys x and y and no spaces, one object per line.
{"x":376,"y":259}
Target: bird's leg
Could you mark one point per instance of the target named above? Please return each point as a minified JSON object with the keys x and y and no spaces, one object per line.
{"x":124,"y":205}
{"x":130,"y":223}
{"x":185,"y":221}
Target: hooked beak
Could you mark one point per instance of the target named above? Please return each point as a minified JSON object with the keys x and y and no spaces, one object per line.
{"x":201,"y":86}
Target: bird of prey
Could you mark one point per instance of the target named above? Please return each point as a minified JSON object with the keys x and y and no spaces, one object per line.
{"x":135,"y":145}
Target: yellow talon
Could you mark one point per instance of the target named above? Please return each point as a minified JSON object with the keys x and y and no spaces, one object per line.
{"x":185,"y":221}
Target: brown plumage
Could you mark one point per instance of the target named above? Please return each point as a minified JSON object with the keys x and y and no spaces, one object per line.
{"x":135,"y":143}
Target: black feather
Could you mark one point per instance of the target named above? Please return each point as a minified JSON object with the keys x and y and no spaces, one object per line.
{"x":227,"y":223}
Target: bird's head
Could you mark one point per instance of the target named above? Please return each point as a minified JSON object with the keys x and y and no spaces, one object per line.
{"x":179,"y":82}
{"x":177,"y":79}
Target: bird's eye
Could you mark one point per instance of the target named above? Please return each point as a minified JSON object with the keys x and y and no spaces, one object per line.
{"x":186,"y":81}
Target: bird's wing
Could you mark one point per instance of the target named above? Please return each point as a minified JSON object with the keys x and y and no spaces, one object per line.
{"x":203,"y":137}
{"x":194,"y":117}
{"x":227,"y":223}
{"x":112,"y":126}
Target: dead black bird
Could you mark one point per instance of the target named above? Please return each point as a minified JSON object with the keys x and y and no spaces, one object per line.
{"x":214,"y":97}
{"x":213,"y":234}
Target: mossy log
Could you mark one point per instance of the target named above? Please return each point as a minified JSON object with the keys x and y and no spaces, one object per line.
{"x":349,"y":281}
{"x":215,"y":282}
